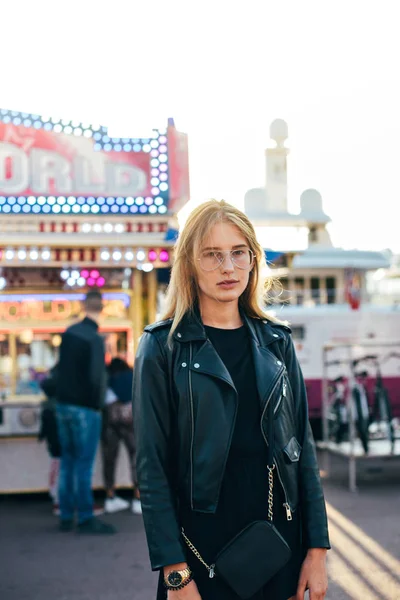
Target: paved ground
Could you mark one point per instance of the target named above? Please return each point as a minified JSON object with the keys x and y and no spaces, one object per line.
{"x":39,"y":563}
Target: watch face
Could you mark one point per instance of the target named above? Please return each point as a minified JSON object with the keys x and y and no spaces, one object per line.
{"x":175,"y":578}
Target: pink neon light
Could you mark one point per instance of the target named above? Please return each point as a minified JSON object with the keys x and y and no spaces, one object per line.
{"x":85,"y":273}
{"x":152,"y":255}
{"x":90,"y":281}
{"x":164,"y":256}
{"x":94,"y":274}
{"x":100,"y":282}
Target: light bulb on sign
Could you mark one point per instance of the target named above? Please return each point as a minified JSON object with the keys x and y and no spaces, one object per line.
{"x":9,"y":254}
{"x":56,"y":340}
{"x":152,"y":255}
{"x":164,"y":256}
{"x":46,"y":254}
{"x":26,"y":336}
{"x":21,"y":254}
{"x":140,"y":255}
{"x":147,"y":267}
{"x":117,"y":255}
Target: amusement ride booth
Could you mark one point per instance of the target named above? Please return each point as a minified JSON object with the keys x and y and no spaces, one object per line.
{"x":78,"y":210}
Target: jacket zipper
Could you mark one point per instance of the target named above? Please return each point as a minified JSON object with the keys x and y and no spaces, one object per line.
{"x":283,"y":395}
{"x":286,"y":503}
{"x":192,"y":422}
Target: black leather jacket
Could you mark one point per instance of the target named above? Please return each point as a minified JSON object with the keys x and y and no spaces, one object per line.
{"x":185,"y":409}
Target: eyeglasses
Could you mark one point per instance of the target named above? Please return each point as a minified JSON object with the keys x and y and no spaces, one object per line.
{"x":212,"y":259}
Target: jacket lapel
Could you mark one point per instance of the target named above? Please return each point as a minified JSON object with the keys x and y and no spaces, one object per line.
{"x":267,"y":366}
{"x":207,"y":360}
{"x":268,"y":370}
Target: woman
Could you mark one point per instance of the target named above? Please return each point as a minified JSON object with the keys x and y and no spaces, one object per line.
{"x":203,"y":379}
{"x":117,"y":427}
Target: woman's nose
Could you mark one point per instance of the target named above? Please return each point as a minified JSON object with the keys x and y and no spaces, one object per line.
{"x":227,"y":264}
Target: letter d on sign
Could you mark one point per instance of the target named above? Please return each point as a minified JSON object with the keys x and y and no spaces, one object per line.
{"x":13,"y":180}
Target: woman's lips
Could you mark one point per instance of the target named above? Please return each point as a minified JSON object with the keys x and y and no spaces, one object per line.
{"x":228,"y":284}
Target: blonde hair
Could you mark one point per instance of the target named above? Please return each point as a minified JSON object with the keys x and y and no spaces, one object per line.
{"x":182,"y":291}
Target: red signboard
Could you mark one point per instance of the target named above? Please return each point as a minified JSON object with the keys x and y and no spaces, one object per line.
{"x":178,"y":156}
{"x":36,"y":162}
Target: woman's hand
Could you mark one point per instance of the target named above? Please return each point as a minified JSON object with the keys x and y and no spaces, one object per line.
{"x":189,"y":592}
{"x":313,"y":575}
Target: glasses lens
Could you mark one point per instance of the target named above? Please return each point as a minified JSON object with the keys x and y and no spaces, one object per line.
{"x":210,"y":260}
{"x":242,"y":258}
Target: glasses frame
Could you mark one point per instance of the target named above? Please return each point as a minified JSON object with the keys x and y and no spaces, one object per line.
{"x":225,"y":253}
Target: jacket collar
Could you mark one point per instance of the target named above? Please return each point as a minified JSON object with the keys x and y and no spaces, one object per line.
{"x":90,"y":323}
{"x":191,"y":328}
{"x":262,"y":331}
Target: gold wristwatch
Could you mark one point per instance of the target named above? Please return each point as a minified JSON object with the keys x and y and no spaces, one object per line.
{"x":176,"y":580}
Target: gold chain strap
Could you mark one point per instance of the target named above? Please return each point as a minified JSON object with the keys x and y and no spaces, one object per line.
{"x":210,"y":568}
{"x":271,"y":492}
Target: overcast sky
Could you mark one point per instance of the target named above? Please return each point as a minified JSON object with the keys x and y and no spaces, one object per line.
{"x":224,"y":70}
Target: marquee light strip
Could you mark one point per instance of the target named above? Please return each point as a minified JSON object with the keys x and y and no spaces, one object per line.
{"x":81,"y":205}
{"x":111,"y":256}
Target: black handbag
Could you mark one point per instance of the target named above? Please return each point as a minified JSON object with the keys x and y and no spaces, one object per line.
{"x":256,"y":553}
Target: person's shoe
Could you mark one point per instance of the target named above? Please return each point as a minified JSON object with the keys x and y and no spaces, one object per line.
{"x":94,"y":526}
{"x":115,"y":504}
{"x":136,"y":507}
{"x":66,"y":525}
{"x":98,"y":510}
{"x":56,"y":510}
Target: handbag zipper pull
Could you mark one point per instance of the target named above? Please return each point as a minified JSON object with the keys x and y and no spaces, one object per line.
{"x":211,"y":572}
{"x":288,"y":512}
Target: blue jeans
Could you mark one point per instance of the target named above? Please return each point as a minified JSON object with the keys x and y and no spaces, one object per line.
{"x":79,"y":432}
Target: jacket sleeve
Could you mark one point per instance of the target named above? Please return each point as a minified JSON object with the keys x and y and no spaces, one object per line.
{"x":153,"y":423}
{"x":97,"y":372}
{"x":312,"y":500}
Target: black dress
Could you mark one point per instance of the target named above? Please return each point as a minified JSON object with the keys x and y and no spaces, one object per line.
{"x":244,"y":490}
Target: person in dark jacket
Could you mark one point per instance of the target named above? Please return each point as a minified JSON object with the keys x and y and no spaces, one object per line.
{"x":49,"y":433}
{"x":117,"y":428}
{"x":204,"y":378}
{"x":81,"y":384}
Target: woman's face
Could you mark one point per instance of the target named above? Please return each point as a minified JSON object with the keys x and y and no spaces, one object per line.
{"x":226,"y":282}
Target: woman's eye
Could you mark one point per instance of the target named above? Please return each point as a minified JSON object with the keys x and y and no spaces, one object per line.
{"x":238,"y":252}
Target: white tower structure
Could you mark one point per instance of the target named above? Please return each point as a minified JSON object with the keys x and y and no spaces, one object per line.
{"x":268,"y":207}
{"x":276,"y":168}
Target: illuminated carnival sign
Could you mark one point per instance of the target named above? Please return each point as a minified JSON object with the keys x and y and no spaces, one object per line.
{"x":50,"y":308}
{"x":54,"y":166}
